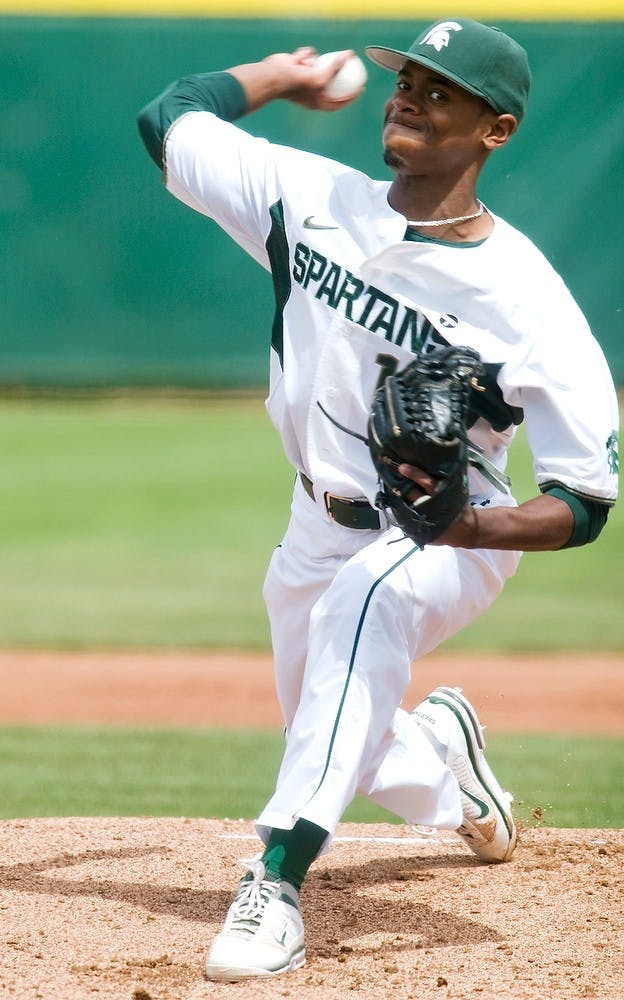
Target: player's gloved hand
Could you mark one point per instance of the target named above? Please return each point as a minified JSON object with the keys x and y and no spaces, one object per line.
{"x":418,"y":420}
{"x":464,"y":532}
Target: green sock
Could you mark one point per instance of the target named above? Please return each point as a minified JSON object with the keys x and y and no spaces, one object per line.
{"x":289,"y":853}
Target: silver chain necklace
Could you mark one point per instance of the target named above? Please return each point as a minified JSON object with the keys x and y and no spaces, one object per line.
{"x":450,"y":222}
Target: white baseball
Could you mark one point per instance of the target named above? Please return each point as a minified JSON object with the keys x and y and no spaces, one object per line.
{"x":348,"y":80}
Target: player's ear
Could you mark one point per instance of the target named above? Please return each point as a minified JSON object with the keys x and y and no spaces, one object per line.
{"x":501,"y":128}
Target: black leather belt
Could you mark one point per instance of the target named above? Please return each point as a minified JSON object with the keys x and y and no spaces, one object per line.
{"x":344,"y":511}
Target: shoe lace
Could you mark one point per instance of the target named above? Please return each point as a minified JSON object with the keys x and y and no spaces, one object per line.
{"x":252,"y":898}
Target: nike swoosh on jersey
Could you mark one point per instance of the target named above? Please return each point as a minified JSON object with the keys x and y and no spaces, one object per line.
{"x":309,"y":224}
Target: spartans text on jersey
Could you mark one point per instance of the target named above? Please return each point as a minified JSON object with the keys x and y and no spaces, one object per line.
{"x":363,"y":304}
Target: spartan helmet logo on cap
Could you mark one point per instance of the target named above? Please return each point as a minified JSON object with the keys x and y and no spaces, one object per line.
{"x":440,"y":35}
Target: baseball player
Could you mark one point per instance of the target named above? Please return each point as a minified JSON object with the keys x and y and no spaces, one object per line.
{"x":367,"y":274}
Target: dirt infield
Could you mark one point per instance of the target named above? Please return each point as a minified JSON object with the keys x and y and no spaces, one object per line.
{"x":528,"y":693}
{"x":123,"y":909}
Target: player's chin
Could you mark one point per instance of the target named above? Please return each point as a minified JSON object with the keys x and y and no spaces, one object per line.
{"x":399,"y":151}
{"x":392,"y":154}
{"x":397,"y":157}
{"x":392,"y":159}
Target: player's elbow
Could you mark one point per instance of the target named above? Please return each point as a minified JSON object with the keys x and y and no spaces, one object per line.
{"x":590,"y":516}
{"x":148,"y":124}
{"x":589,"y":527}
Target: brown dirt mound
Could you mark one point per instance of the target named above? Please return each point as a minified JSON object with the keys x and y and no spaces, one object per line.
{"x":124,"y":909}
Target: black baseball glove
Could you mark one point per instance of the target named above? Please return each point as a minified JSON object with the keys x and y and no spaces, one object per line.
{"x":419,"y":416}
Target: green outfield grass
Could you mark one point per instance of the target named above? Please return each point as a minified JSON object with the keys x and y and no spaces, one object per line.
{"x":567,"y":781}
{"x":149,"y":523}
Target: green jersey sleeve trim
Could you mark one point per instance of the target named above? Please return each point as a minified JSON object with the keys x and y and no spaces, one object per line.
{"x":220,"y":93}
{"x":590,"y":516}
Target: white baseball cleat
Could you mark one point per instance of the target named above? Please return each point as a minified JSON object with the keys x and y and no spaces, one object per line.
{"x":263,"y":931}
{"x":450,"y":722}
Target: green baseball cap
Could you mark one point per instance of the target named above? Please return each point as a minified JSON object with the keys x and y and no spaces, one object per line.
{"x":483,"y":60}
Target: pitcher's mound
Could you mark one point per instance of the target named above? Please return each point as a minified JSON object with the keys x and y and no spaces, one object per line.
{"x":124,"y":908}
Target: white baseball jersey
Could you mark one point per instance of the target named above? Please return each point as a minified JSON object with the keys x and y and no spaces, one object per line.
{"x":354,"y":298}
{"x":351,"y":610}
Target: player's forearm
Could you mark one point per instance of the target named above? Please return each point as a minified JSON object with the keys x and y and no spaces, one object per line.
{"x":220,"y":93}
{"x":229,"y":95}
{"x":234,"y":92}
{"x":542,"y":524}
{"x":262,"y":82}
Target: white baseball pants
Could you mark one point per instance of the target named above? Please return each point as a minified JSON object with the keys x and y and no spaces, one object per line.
{"x":350,"y":611}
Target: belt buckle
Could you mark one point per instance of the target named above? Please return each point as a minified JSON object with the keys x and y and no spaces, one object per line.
{"x":328,"y":497}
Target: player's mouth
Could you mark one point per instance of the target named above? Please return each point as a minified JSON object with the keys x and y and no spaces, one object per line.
{"x":401,"y":126}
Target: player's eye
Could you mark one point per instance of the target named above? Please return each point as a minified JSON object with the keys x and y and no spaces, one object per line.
{"x":437,"y":96}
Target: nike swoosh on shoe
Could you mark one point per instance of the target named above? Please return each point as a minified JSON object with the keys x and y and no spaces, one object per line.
{"x":483,"y":806}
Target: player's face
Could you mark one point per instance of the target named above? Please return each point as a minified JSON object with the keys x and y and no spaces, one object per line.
{"x":432,"y":124}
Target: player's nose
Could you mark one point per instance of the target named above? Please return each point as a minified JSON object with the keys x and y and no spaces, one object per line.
{"x":402,"y":103}
{"x":407,"y":101}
